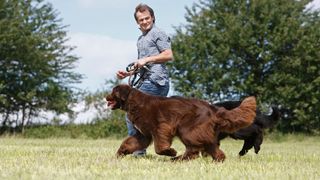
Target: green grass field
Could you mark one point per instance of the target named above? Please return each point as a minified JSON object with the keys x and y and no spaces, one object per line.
{"x":295,"y":157}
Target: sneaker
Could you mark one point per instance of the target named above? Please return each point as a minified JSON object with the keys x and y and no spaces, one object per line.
{"x":139,"y":153}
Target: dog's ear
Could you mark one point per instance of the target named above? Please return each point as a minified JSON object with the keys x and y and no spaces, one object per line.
{"x":122,"y":92}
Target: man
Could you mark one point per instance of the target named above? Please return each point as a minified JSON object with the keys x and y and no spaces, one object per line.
{"x":154,"y":50}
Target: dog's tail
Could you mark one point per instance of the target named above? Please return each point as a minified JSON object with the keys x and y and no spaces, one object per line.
{"x":237,"y":118}
{"x":268,"y":121}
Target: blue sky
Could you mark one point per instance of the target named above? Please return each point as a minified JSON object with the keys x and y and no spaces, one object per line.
{"x":105,"y":32}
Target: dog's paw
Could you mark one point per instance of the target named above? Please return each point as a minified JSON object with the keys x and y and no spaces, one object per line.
{"x":121,"y":153}
{"x":219,"y":156}
{"x":243,"y":152}
{"x":169,"y":152}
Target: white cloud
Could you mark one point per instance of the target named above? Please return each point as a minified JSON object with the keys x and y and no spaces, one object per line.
{"x":100,"y":57}
{"x":314,"y":4}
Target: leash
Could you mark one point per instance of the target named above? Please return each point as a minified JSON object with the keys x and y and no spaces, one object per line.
{"x":135,"y":71}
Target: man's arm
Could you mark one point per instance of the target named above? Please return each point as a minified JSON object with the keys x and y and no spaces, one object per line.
{"x":164,"y":56}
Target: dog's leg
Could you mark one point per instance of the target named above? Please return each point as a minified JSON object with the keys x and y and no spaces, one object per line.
{"x":163,"y":140}
{"x":133,"y":143}
{"x":219,"y":155}
{"x":163,"y":148}
{"x":248,"y":144}
{"x":216,"y":153}
{"x":218,"y":139}
{"x":258,"y":142}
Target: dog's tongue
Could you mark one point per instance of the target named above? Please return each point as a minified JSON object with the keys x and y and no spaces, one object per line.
{"x":111,"y":103}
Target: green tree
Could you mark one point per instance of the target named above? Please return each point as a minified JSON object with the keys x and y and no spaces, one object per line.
{"x":267,"y":48}
{"x":36,"y":65}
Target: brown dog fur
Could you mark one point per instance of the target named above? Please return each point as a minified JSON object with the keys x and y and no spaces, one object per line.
{"x":194,"y":121}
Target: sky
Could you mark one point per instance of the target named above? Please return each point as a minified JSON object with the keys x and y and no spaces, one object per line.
{"x":105,"y":32}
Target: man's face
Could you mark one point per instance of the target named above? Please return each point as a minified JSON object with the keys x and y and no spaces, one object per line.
{"x":144,"y":20}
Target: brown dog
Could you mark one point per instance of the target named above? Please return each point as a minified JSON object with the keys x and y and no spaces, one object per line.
{"x":160,"y":119}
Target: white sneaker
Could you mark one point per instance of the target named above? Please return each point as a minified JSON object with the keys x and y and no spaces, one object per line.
{"x":139,"y":153}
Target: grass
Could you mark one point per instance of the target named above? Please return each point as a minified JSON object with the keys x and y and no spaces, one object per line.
{"x":296,"y":157}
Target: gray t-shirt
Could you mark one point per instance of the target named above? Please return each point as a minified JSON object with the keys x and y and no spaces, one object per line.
{"x":153,"y":43}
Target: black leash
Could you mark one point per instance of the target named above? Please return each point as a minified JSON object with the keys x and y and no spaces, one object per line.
{"x":135,"y":71}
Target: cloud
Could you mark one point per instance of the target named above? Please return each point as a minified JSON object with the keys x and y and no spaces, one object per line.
{"x":100,"y":57}
{"x":314,"y":4}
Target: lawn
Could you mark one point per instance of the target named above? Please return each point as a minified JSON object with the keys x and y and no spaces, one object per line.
{"x":294,"y":157}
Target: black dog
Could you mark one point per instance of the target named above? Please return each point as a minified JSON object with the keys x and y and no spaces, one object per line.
{"x":253,"y":134}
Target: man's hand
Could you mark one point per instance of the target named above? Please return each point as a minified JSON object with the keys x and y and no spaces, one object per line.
{"x":122,"y":74}
{"x":141,"y":62}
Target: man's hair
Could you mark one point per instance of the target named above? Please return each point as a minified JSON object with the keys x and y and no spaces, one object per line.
{"x":143,"y":7}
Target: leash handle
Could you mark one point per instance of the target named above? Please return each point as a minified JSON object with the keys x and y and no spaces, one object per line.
{"x":135,"y":70}
{"x":133,"y":75}
{"x":130,"y":67}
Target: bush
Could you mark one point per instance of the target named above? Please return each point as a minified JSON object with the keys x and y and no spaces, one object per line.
{"x":98,"y":129}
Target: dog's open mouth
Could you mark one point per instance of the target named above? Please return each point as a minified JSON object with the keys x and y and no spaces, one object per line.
{"x":111,"y":104}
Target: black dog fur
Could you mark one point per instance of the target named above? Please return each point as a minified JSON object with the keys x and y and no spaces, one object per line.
{"x":253,"y":134}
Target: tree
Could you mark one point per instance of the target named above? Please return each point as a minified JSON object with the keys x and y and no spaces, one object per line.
{"x":268,"y":48}
{"x":35,"y":62}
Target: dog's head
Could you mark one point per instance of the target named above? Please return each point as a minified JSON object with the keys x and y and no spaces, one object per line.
{"x":118,"y":96}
